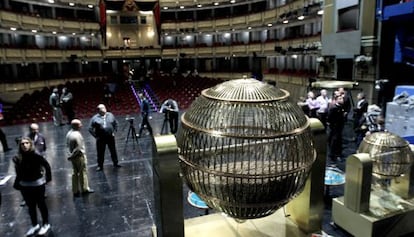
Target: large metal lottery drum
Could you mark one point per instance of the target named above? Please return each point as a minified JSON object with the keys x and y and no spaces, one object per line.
{"x":244,"y":148}
{"x":391,"y":154}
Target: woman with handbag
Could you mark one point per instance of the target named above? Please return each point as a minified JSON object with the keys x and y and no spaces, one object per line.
{"x":32,"y":173}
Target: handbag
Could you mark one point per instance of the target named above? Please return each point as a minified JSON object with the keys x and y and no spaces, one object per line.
{"x":16,"y":184}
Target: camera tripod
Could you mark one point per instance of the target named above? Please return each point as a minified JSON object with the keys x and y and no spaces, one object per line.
{"x":164,"y":128}
{"x":132,"y":134}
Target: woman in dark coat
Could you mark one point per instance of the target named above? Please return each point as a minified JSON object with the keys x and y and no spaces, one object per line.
{"x":32,"y":173}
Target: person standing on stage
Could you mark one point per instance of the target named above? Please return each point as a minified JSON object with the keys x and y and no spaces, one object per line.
{"x":3,"y":141}
{"x":38,"y":139}
{"x":76,"y":153}
{"x":103,"y":126}
{"x":54,"y":101}
{"x":336,"y":121}
{"x":145,"y":111}
{"x":170,"y":108}
{"x":66,"y":101}
{"x":33,"y":172}
{"x":324,"y":102}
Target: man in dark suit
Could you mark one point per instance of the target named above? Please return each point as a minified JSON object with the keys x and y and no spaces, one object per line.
{"x":3,"y":141}
{"x":170,"y":108}
{"x":336,"y":122}
{"x":359,"y":117}
{"x":145,"y":111}
{"x":38,"y":139}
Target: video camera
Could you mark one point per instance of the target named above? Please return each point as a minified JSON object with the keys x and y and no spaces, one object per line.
{"x":130,"y":119}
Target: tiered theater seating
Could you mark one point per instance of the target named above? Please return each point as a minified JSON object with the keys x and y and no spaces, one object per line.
{"x":87,"y":95}
{"x":182,"y":89}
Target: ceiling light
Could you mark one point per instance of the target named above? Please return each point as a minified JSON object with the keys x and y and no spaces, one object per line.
{"x":73,"y":33}
{"x":13,"y":28}
{"x":270,"y":24}
{"x":71,"y":4}
{"x":301,"y":17}
{"x":34,"y":31}
{"x":54,"y":32}
{"x":90,"y":5}
{"x":199,"y":5}
{"x":249,"y":28}
{"x":285,"y":21}
{"x":51,"y":1}
{"x":216,"y":4}
{"x":320,"y":12}
{"x":233,"y":1}
{"x":181,"y":7}
{"x":150,"y":33}
{"x":165,"y":8}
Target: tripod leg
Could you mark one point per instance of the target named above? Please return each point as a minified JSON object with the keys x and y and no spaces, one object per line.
{"x":134,"y":135}
{"x":164,"y":126}
{"x":127,"y":137}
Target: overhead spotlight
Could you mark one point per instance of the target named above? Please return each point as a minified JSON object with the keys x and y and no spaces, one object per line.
{"x":54,"y":32}
{"x":199,"y":5}
{"x":51,"y":1}
{"x":270,"y":24}
{"x":90,"y":5}
{"x":216,"y":4}
{"x":285,"y":21}
{"x":380,"y":84}
{"x":71,"y":4}
{"x":13,"y":28}
{"x":363,"y":58}
{"x":320,"y":12}
{"x":301,"y":17}
{"x":34,"y":31}
{"x":181,"y":7}
{"x":165,"y":8}
{"x":233,"y":1}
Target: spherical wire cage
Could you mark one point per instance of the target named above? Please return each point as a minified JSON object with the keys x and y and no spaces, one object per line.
{"x":244,"y":148}
{"x":391,"y":154}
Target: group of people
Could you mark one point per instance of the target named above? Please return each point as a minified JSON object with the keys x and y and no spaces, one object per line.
{"x":335,"y":112}
{"x":169,"y":108}
{"x":33,"y":170}
{"x":61,"y":102}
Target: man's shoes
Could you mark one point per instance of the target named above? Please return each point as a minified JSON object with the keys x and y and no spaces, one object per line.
{"x":45,"y":228}
{"x":77,"y":194}
{"x":117,"y":166}
{"x":88,"y":191}
{"x":336,"y":159}
{"x":7,"y":149}
{"x":32,"y":231}
{"x":99,"y":168}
